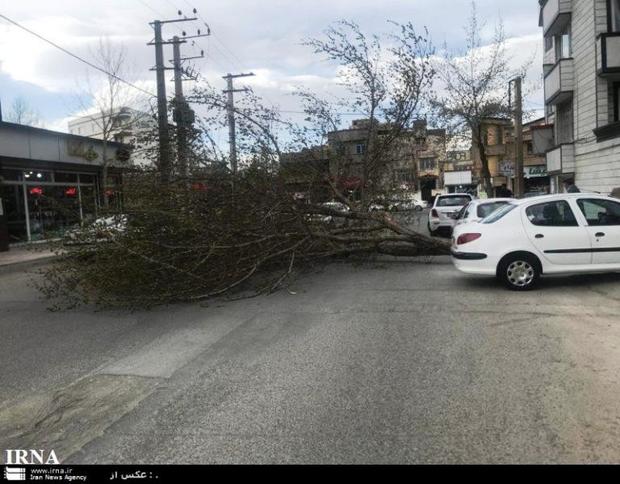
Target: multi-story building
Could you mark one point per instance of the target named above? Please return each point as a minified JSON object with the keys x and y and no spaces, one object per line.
{"x":126,"y":126}
{"x":582,"y":91}
{"x":500,"y":151}
{"x":414,"y":162}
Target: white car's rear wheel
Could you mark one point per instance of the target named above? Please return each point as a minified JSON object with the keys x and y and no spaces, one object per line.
{"x":519,"y":272}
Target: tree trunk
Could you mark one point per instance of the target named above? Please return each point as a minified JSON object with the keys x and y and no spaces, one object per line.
{"x":104,"y":175}
{"x":484,"y":161}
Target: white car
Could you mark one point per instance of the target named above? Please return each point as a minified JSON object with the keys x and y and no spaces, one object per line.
{"x":409,"y":204}
{"x":331,"y":219}
{"x":445,"y":209}
{"x":101,"y":230}
{"x":553,"y":234}
{"x":403,"y":205}
{"x":478,"y":210}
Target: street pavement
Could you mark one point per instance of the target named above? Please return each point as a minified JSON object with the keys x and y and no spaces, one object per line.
{"x":387,"y":361}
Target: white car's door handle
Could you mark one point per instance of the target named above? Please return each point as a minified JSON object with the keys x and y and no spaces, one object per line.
{"x":540,"y":236}
{"x":600,"y":234}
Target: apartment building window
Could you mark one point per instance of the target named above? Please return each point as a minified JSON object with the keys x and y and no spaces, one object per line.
{"x":548,"y":43}
{"x":564,"y":123}
{"x":427,"y":164}
{"x":404,"y":176}
{"x":614,"y":15}
{"x":563,"y":47}
{"x":360,"y":148}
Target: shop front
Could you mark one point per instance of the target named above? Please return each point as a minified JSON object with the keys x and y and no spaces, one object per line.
{"x":41,"y":204}
{"x":536,"y":179}
{"x":50,"y":182}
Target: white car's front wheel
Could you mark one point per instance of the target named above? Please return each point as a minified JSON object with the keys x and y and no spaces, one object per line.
{"x":519,"y":272}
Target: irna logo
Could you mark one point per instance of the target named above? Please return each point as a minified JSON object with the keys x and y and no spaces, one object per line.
{"x":30,"y":457}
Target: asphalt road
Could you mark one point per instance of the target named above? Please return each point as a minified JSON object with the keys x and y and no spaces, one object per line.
{"x":386,"y":362}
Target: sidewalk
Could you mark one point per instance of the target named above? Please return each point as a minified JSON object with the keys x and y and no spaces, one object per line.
{"x":20,"y":258}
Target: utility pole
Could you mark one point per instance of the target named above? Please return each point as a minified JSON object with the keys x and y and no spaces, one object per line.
{"x":165,"y":165}
{"x":162,"y":106}
{"x":183,"y":115}
{"x":181,"y":110}
{"x":230,"y":107}
{"x":518,"y":177}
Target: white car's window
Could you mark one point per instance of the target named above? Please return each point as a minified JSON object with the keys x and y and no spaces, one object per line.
{"x":600,"y":212}
{"x":499,"y":214}
{"x":486,"y":209}
{"x":453,"y":201}
{"x":551,"y":214}
{"x":464,"y":213}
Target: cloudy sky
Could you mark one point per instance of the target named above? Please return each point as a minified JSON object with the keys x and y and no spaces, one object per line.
{"x":262,"y":36}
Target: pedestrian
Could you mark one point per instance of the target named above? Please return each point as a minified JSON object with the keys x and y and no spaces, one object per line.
{"x":570,"y":187}
{"x":505,"y":192}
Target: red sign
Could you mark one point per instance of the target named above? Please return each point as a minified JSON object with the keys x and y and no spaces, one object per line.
{"x":351,"y":183}
{"x":199,"y":187}
{"x":36,"y":191}
{"x":71,"y":192}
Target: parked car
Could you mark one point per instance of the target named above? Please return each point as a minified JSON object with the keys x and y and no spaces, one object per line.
{"x":101,"y":230}
{"x":408,"y":205}
{"x":553,"y":234}
{"x":477,"y":210}
{"x":331,"y":219}
{"x":397,"y":205}
{"x":445,"y":209}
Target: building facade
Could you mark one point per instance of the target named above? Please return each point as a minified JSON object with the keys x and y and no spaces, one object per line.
{"x":582,"y":91}
{"x":125,"y":125}
{"x":500,"y":150}
{"x":50,"y":181}
{"x":414,"y":162}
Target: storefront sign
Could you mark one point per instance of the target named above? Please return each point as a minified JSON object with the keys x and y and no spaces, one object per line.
{"x":81,"y":150}
{"x":506,"y":168}
{"x":535,"y":171}
{"x":455,"y":178}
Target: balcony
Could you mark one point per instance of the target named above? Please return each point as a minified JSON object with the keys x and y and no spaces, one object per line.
{"x":496,"y":150}
{"x":608,"y":55}
{"x":561,"y":159}
{"x":559,"y":82}
{"x":555,"y":16}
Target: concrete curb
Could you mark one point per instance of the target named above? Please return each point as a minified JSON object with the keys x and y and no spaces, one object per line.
{"x":25,"y":265}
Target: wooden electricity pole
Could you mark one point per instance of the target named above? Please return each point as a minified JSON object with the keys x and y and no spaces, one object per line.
{"x":230,"y":107}
{"x":519,"y":189}
{"x":165,"y":156}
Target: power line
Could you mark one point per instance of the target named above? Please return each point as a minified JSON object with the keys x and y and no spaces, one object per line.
{"x":161,"y":15}
{"x":75,"y":56}
{"x":232,"y":57}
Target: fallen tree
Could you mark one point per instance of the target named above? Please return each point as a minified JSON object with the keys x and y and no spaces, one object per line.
{"x":213,"y":232}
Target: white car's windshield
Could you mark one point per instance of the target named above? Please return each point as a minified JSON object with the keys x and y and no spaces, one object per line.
{"x":452,"y":201}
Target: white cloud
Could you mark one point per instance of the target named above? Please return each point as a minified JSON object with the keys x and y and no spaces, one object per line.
{"x":263,"y":36}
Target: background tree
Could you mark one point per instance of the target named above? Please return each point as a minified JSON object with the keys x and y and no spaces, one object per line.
{"x":103,"y":97}
{"x":387,"y":80}
{"x":475,"y":88}
{"x":21,"y":112}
